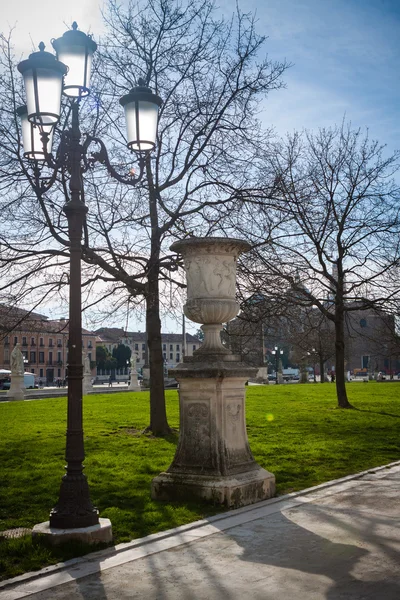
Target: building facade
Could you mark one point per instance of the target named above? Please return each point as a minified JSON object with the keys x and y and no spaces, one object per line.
{"x":43,"y":343}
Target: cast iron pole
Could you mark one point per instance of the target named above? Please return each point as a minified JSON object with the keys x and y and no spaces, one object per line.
{"x":74,"y":508}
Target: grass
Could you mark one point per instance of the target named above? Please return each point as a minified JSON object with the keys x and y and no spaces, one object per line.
{"x":295,"y":431}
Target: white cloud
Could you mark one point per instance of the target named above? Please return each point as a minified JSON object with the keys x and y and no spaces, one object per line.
{"x":43,"y":20}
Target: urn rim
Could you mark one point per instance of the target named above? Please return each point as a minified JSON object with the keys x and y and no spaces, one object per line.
{"x":202,"y":242}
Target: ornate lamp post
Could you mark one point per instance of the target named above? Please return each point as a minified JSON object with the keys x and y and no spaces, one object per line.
{"x":46,"y":77}
{"x":277,"y":352}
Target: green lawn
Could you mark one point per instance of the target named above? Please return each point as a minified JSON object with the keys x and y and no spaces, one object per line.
{"x":295,"y":431}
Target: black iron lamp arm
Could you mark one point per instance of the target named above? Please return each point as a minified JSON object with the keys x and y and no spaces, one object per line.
{"x":103,"y":158}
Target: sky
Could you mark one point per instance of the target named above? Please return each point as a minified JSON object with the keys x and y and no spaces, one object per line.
{"x":345,"y":56}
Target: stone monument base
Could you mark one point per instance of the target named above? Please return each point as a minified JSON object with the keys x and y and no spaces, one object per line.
{"x":95,"y":534}
{"x":213,"y":460}
{"x":17,"y":388}
{"x":134,"y":385}
{"x":231,"y":491}
{"x":87,"y":386}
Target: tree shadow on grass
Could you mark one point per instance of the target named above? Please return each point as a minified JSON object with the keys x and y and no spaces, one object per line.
{"x":377,"y":412}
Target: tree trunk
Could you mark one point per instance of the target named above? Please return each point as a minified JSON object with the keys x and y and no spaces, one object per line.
{"x":321,"y":369}
{"x":339,"y":356}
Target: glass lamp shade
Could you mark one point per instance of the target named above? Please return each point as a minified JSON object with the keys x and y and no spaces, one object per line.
{"x":31,"y":136}
{"x":43,"y":74}
{"x":75,"y":49}
{"x":141,"y":115}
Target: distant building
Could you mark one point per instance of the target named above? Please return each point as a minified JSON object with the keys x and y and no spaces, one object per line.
{"x":372,"y":342}
{"x":173,"y":348}
{"x":43,"y":343}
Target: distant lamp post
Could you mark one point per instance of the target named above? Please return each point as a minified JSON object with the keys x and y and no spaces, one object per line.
{"x":312,"y":355}
{"x":46,"y":77}
{"x":277,"y":353}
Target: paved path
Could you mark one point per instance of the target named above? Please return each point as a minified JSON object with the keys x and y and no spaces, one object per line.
{"x":336,"y":541}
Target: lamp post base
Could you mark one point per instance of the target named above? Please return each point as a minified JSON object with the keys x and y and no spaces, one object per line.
{"x":95,"y":534}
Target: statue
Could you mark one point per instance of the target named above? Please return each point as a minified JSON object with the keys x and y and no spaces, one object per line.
{"x":87,"y":384}
{"x":86,"y":365}
{"x":17,"y":361}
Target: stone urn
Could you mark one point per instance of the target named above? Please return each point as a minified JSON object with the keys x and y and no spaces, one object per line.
{"x":213,"y":460}
{"x":210,"y":266}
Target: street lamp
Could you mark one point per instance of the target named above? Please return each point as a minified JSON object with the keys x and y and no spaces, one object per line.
{"x":46,"y":77}
{"x":277,"y":352}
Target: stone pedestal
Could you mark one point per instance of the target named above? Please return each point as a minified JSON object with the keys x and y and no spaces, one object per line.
{"x":213,"y":460}
{"x":262,"y":375}
{"x":87,"y":385}
{"x":17,"y":388}
{"x":134,"y":383}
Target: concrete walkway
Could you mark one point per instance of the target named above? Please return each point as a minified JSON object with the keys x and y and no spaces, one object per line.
{"x":340,"y":540}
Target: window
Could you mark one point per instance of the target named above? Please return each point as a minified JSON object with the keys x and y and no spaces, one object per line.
{"x":171,"y":347}
{"x":164,"y":355}
{"x":59,"y":359}
{"x":89,"y":344}
{"x":32,"y":357}
{"x":41,"y":342}
{"x":177,"y":348}
{"x":58,"y":372}
{"x":194,"y":347}
{"x":178,"y":357}
{"x":51,"y":342}
{"x":136,"y":346}
{"x":6,"y":354}
{"x":50,"y":358}
{"x":143,"y":346}
{"x":171,"y":356}
{"x":15,"y":340}
{"x":41,"y":357}
{"x":143,"y":355}
{"x":33,"y":341}
{"x":33,"y":371}
{"x":59,"y":342}
{"x":24,"y":342}
{"x":40,"y":372}
{"x":90,"y":356}
{"x":6,"y":340}
{"x":164,"y":346}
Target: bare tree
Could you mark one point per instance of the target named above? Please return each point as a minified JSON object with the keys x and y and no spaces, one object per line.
{"x":328,"y":229}
{"x":211,"y":78}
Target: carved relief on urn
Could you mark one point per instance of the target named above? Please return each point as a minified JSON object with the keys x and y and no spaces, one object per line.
{"x":210,"y":265}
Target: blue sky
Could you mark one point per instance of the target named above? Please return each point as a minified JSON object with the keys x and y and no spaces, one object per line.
{"x":345,"y":57}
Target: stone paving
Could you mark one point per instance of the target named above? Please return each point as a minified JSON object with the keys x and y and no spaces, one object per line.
{"x":338,"y":541}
